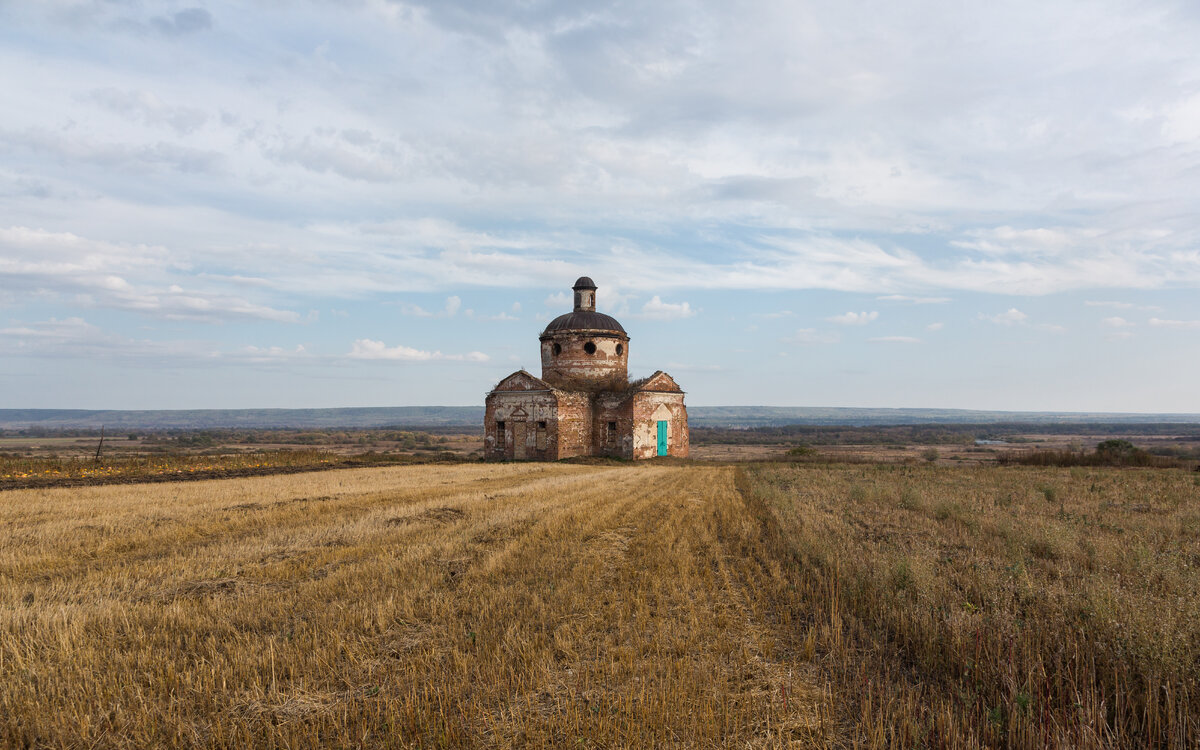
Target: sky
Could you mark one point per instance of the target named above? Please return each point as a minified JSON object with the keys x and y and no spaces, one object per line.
{"x":378,"y":203}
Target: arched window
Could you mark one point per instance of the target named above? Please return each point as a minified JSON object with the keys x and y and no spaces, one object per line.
{"x":557,"y":349}
{"x":620,"y":350}
{"x":589,"y":347}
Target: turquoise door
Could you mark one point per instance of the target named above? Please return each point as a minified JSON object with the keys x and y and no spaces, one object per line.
{"x":662,"y":438}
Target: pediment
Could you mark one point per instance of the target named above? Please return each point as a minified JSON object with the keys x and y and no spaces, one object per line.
{"x":522,"y":381}
{"x":660,"y":381}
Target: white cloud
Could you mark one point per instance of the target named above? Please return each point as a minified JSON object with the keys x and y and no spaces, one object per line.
{"x":656,"y":309}
{"x":1179,"y":324}
{"x":235,"y":176}
{"x":811,"y":336}
{"x":1012,"y":316}
{"x":415,"y":311}
{"x":1120,"y":305}
{"x":894,"y":340}
{"x":93,"y":273}
{"x":1039,"y":242}
{"x":914,"y":300}
{"x":74,"y":338}
{"x":67,"y":328}
{"x":1051,"y":327}
{"x":449,"y":309}
{"x":148,"y":108}
{"x":371,"y":349}
{"x":1117,"y":322}
{"x":854,"y":318}
{"x":270,"y":354}
{"x":935,"y":326}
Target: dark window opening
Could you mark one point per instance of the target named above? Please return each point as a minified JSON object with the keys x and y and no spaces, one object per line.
{"x":620,"y":349}
{"x":541,"y":425}
{"x":557,"y":349}
{"x":500,"y":427}
{"x":611,"y":435}
{"x":589,"y":347}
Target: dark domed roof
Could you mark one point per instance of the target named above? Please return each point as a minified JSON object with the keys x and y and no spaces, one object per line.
{"x":588,"y":320}
{"x":584,"y":282}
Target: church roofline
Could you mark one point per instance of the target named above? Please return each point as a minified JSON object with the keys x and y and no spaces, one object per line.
{"x":528,"y":374}
{"x":639,"y":385}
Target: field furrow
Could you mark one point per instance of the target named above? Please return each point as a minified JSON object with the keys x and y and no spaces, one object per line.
{"x":475,"y":605}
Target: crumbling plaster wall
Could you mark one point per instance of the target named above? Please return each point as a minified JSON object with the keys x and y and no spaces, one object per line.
{"x":646,"y":412}
{"x":529,"y":408}
{"x":574,"y":424}
{"x":616,"y":409}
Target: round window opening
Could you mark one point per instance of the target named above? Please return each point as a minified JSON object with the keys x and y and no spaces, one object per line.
{"x":589,"y":347}
{"x":620,"y":350}
{"x":557,"y":349}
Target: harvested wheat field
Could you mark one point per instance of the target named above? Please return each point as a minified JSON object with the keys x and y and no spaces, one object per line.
{"x":415,"y":606}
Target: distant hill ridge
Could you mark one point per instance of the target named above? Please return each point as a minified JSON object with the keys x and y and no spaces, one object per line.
{"x":464,"y":416}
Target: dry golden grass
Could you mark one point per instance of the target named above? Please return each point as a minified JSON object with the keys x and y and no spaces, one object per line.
{"x":1009,"y":607}
{"x":431,"y":606}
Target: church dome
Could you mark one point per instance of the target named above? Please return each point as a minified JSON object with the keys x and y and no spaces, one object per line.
{"x":584,"y":320}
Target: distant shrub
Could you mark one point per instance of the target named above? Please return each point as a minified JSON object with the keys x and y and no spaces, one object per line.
{"x":1107,"y":453}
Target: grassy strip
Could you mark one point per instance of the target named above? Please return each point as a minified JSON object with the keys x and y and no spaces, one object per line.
{"x":24,"y":472}
{"x":996,"y":607}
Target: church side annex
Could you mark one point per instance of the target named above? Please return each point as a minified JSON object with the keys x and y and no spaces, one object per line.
{"x":584,"y":403}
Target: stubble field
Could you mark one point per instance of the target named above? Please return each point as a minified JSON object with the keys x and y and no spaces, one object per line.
{"x":430,"y":606}
{"x":607,"y":605}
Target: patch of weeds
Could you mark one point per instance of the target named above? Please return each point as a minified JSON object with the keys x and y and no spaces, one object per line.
{"x":911,"y":500}
{"x":1016,"y":571}
{"x":901,"y":578}
{"x":947,"y":510}
{"x":858,"y":493}
{"x":995,"y":716}
{"x":1189,"y":526}
{"x":1050,"y":493}
{"x":1023,"y":701}
{"x":1043,"y":548}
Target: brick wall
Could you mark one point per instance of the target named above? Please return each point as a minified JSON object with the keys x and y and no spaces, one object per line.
{"x":573,"y":368}
{"x":530,"y":425}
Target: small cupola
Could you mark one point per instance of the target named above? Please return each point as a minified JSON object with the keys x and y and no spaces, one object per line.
{"x":585,"y":349}
{"x":585,"y":294}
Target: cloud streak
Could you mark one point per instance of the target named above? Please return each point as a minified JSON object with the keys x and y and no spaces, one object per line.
{"x":854,"y":318}
{"x":370,"y":349}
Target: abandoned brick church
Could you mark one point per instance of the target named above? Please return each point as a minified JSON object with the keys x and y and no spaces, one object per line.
{"x":584,"y":403}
